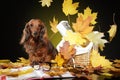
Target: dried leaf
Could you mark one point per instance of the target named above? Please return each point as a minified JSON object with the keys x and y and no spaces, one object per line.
{"x":117,"y":61}
{"x":23,"y":60}
{"x":67,"y":51}
{"x":69,"y":8}
{"x":106,"y":74}
{"x":112,"y":31}
{"x":46,"y":2}
{"x":53,"y":25}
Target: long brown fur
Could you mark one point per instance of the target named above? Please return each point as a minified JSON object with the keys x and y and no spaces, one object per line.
{"x":36,"y":42}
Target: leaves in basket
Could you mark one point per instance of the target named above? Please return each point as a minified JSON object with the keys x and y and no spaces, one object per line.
{"x":67,"y":51}
{"x":84,"y":21}
{"x":82,"y":26}
{"x":74,"y":38}
{"x":96,"y":38}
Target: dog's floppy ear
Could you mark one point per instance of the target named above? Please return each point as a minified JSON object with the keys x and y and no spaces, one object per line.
{"x":26,"y":34}
{"x":43,"y":33}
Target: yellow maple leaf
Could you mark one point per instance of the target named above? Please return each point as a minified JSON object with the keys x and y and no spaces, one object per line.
{"x":69,"y":8}
{"x":46,"y":3}
{"x":83,"y":26}
{"x":59,"y":59}
{"x":112,"y":31}
{"x":88,"y":12}
{"x":97,"y":60}
{"x":74,"y":38}
{"x":53,"y":25}
{"x":96,"y":38}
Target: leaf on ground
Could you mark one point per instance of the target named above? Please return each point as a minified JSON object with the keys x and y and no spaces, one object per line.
{"x":59,"y":59}
{"x":97,"y":60}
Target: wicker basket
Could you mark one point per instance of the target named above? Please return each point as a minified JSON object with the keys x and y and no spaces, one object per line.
{"x":82,"y":60}
{"x":82,"y":57}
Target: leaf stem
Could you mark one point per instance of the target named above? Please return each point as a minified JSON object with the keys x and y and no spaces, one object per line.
{"x":114,"y":18}
{"x":69,"y":19}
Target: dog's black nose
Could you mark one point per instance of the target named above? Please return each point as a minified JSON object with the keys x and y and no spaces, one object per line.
{"x":35,"y":33}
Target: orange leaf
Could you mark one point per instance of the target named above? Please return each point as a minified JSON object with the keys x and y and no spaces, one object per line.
{"x":67,"y":51}
{"x":83,"y":26}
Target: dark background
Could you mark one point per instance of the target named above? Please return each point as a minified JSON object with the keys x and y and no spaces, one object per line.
{"x":15,"y":14}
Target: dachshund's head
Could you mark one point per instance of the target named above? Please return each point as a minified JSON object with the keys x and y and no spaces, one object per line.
{"x":35,"y":29}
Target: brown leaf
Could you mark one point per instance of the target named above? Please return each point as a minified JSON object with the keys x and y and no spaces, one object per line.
{"x":67,"y":51}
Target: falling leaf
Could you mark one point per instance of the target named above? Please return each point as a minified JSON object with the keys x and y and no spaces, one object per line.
{"x":96,"y":38}
{"x":46,"y":3}
{"x":74,"y":38}
{"x":53,"y":25}
{"x":83,"y":26}
{"x":97,"y":60}
{"x":69,"y":8}
{"x":84,"y":21}
{"x":112,"y":31}
{"x":67,"y":50}
{"x":88,"y":12}
{"x":59,"y":59}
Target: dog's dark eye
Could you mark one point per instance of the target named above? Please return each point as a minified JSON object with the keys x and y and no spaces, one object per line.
{"x":40,"y":26}
{"x":31,"y":25}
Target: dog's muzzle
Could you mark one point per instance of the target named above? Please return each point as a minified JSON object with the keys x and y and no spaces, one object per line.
{"x":35,"y":34}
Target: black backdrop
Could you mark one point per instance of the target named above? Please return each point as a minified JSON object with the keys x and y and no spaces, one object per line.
{"x":15,"y":13}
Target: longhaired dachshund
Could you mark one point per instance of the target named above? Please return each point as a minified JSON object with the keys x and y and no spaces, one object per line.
{"x":36,"y":42}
